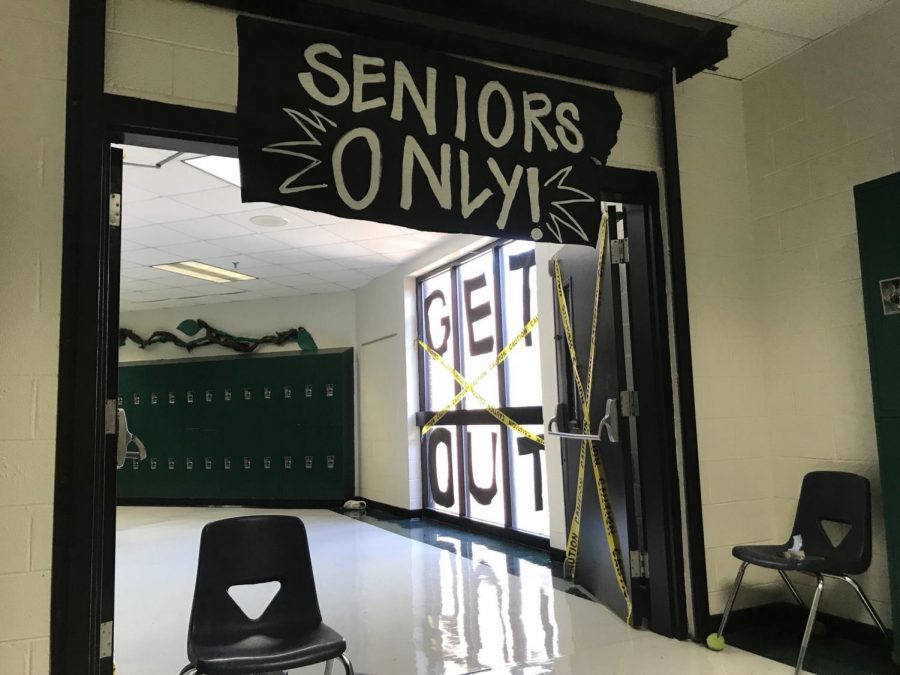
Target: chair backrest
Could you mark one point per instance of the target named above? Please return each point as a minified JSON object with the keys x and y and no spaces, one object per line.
{"x":842,"y":498}
{"x":253,"y":550}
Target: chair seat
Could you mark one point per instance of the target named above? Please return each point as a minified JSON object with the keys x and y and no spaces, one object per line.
{"x":773,"y":558}
{"x":264,"y":653}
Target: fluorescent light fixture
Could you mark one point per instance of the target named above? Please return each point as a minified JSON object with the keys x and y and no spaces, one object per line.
{"x":199,"y":270}
{"x":224,"y":168}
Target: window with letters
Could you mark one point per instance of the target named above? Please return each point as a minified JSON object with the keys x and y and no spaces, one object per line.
{"x":480,"y":388}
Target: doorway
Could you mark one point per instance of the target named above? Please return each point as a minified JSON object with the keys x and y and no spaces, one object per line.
{"x":627,"y":551}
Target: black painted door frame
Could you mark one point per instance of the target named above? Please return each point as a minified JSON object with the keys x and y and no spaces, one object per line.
{"x":94,"y":119}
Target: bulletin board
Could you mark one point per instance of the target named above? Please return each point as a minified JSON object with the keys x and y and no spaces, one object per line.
{"x":240,"y":429}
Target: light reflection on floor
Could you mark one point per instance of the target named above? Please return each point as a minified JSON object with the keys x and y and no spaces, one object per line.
{"x":404,"y":607}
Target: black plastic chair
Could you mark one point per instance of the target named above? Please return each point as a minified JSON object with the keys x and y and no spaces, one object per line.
{"x":825,"y":496}
{"x":289,"y":633}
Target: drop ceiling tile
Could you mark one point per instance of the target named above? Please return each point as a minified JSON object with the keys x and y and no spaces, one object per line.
{"x":393,"y":244}
{"x":343,"y":251}
{"x":293,"y":217}
{"x":212,"y":227}
{"x":256,"y":285}
{"x":356,"y":283}
{"x":376,"y":272}
{"x":284,"y":256}
{"x":752,"y":50}
{"x":245,"y":263}
{"x":188,"y":293}
{"x":173,"y":178}
{"x":358,"y":230}
{"x":199,"y":250}
{"x":311,"y":236}
{"x":249,"y":243}
{"x":809,"y":19}
{"x":219,"y":201}
{"x":315,"y":217}
{"x":297,"y":280}
{"x":163,"y":210}
{"x":246,"y":296}
{"x":399,"y":256}
{"x":158,"y":235}
{"x":344,"y":277}
{"x":324,"y":287}
{"x":367,"y":262}
{"x":705,"y":7}
{"x":151,"y":256}
{"x":282,"y":292}
{"x":316,"y":266}
{"x":128,"y":245}
{"x":130,"y":222}
{"x":132,"y":194}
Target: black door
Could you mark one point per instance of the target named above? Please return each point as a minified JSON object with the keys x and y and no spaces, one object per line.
{"x":632,"y":381}
{"x":114,"y":244}
{"x":594,"y":567}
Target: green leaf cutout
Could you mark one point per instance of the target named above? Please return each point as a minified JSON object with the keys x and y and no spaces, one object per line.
{"x":189,"y":327}
{"x":305,"y":340}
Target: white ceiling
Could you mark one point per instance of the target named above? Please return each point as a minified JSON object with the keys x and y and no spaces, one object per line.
{"x":769,"y":30}
{"x":177,"y":212}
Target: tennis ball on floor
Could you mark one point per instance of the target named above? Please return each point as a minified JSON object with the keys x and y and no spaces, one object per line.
{"x":715,"y":642}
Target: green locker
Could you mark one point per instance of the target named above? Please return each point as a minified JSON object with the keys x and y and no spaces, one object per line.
{"x":241,"y":429}
{"x":878,"y":224}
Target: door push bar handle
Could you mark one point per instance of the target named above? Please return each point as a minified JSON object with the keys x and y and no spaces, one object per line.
{"x":610,"y":422}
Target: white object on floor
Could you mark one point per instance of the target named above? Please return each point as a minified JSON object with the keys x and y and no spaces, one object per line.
{"x":404,"y":607}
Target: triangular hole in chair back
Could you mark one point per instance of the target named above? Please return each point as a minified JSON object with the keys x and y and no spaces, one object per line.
{"x":254,"y":599}
{"x":835,"y":531}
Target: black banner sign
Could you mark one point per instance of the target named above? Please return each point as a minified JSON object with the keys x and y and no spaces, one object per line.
{"x":384,"y":132}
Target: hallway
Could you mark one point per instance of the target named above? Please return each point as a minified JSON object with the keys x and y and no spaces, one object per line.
{"x":404,"y":607}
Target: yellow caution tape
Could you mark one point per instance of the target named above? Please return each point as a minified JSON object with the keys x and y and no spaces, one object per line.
{"x":573,"y":542}
{"x":469,"y":387}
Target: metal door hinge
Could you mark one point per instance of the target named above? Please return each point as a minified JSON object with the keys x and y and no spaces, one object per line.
{"x":640,"y":567}
{"x":110,"y":415}
{"x":106,"y":639}
{"x":115,"y":209}
{"x":618,"y":251}
{"x":629,"y":403}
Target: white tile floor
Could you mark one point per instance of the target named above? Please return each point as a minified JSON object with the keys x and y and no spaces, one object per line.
{"x":404,"y":607}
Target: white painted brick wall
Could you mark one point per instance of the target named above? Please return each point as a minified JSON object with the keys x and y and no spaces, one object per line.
{"x":817,"y":124}
{"x":33,"y":36}
{"x":726,"y":338}
{"x":173,"y":51}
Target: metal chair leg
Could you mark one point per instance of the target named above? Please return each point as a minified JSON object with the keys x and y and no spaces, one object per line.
{"x":792,"y":588}
{"x":731,"y":598}
{"x":328,"y":664}
{"x":814,"y":605}
{"x":865,"y":601}
{"x":348,"y":667}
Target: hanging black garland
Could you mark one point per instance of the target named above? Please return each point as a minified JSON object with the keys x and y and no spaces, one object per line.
{"x":214,"y":336}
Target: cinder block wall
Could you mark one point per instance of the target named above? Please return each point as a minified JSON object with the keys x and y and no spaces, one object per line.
{"x":726,"y":337}
{"x":817,"y":124}
{"x":33,"y":36}
{"x":172,"y":51}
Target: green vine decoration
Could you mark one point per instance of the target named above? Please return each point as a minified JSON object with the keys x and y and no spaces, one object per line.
{"x":214,"y":336}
